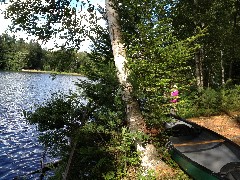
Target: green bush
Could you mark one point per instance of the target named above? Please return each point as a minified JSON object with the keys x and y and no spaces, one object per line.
{"x":209,"y":102}
{"x":230,"y":99}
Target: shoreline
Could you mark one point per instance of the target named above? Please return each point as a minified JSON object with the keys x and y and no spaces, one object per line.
{"x":49,"y":72}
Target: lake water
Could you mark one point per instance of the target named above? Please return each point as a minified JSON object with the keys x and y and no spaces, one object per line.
{"x":20,"y":152}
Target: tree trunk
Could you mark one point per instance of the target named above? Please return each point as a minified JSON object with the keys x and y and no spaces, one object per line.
{"x":201,"y":57}
{"x":136,"y":123}
{"x":222,"y":68}
{"x":199,"y":70}
{"x":233,"y":48}
{"x":230,"y":70}
{"x":199,"y":52}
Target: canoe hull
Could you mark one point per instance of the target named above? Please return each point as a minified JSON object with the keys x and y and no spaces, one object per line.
{"x":192,"y":169}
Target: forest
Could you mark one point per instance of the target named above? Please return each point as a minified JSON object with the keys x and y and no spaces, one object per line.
{"x":145,"y":48}
{"x":16,"y":55}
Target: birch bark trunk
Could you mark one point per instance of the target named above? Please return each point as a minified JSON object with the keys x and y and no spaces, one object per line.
{"x":199,"y":71}
{"x":198,"y":54}
{"x":149,"y":156}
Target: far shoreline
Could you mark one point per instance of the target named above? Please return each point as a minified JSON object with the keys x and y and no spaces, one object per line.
{"x":50,"y":72}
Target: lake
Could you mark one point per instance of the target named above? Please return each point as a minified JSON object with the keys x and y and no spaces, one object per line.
{"x":20,"y":151}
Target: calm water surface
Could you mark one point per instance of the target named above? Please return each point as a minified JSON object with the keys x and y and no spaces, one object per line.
{"x":20,"y":152}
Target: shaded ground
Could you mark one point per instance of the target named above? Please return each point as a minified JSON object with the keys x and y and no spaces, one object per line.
{"x":226,"y":125}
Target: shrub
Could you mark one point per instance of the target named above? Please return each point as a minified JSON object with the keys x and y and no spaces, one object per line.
{"x":230,"y":99}
{"x":210,"y":102}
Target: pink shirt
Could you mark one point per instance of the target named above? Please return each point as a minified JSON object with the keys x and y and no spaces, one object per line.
{"x":173,"y":94}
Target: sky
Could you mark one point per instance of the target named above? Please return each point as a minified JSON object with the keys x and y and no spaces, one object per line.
{"x":4,"y":23}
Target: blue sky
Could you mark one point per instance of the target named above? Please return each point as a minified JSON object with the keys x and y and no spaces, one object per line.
{"x":6,"y":22}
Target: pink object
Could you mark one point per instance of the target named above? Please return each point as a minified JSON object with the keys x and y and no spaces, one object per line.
{"x":174,"y":100}
{"x":174,"y":93}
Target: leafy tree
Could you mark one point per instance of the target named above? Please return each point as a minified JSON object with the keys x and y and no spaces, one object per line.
{"x":156,"y":58}
{"x":62,"y":60}
{"x":20,"y":55}
{"x":35,"y":56}
{"x":218,"y":46}
{"x":17,"y":54}
{"x":2,"y":62}
{"x":81,"y":59}
{"x":7,"y":50}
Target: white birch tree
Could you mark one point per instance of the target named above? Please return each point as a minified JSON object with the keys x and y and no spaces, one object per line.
{"x":136,"y":123}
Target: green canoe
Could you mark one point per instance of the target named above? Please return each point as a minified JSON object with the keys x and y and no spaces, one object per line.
{"x":202,"y":153}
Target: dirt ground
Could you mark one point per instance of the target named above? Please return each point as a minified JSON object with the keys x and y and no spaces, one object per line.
{"x":226,"y":125}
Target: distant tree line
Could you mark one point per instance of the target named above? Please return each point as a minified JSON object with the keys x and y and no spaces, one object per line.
{"x":16,"y":55}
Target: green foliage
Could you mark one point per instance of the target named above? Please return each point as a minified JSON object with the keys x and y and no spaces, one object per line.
{"x":65,"y":60}
{"x":34,"y":57}
{"x":105,"y":148}
{"x":17,"y":55}
{"x":157,"y":59}
{"x":10,"y":58}
{"x":209,"y":102}
{"x":206,"y":102}
{"x":40,"y":19}
{"x":230,"y":99}
{"x":221,"y":20}
{"x":57,"y":117}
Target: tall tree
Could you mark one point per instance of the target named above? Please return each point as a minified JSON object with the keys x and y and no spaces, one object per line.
{"x":218,"y":18}
{"x":35,"y":56}
{"x":2,"y":61}
{"x":135,"y":119}
{"x":11,"y":52}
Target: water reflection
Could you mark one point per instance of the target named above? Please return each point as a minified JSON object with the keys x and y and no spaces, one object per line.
{"x":20,"y":152}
